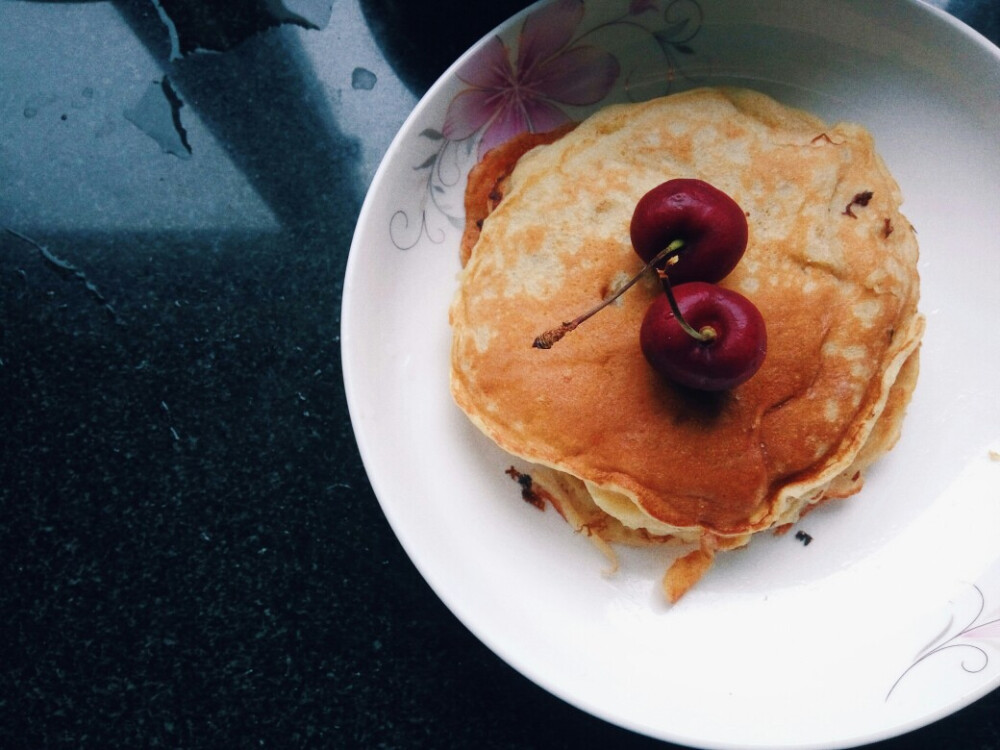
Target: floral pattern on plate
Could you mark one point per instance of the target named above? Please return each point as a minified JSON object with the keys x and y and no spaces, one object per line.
{"x":971,"y":640}
{"x":553,"y":71}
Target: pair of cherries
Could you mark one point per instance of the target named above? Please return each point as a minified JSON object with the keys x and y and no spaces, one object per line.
{"x":697,"y":334}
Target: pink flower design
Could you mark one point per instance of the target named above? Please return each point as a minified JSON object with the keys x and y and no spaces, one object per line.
{"x":989,"y":629}
{"x":550,"y":70}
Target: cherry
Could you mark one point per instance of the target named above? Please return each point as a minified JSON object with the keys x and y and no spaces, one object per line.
{"x":703,"y":336}
{"x":709,"y":226}
{"x":697,"y":334}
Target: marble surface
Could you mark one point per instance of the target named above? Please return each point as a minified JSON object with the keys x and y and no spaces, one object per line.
{"x":191,"y":553}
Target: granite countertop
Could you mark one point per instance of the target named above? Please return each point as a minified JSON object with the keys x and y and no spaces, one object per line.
{"x":192,"y":554}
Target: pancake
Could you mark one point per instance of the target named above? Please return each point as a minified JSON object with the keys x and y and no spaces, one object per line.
{"x":830,"y":263}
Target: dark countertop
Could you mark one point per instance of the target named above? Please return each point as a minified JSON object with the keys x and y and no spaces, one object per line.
{"x":192,"y":555}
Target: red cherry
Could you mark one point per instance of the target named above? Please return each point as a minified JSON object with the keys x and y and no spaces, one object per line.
{"x":735,"y":338}
{"x":710,"y":224}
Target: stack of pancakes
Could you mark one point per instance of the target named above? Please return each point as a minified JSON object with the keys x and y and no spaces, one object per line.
{"x":624,"y":454}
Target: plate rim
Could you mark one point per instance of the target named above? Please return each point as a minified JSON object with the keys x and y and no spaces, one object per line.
{"x":349,"y":348}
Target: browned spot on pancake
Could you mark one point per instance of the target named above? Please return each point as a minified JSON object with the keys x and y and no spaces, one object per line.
{"x":528,"y":492}
{"x":485,"y":186}
{"x":859,"y":199}
{"x":826,"y":138}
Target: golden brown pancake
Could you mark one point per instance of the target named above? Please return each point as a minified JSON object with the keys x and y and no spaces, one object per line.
{"x":488,"y":178}
{"x":830,"y":263}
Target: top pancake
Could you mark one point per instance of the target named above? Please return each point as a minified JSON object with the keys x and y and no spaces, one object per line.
{"x":835,"y":281}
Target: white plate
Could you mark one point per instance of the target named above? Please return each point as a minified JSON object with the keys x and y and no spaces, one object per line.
{"x":890,"y":618}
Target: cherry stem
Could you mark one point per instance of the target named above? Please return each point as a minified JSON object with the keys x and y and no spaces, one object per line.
{"x":707,"y":333}
{"x":550,"y":337}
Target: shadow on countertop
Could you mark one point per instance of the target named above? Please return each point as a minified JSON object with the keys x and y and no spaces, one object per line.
{"x":421,"y":39}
